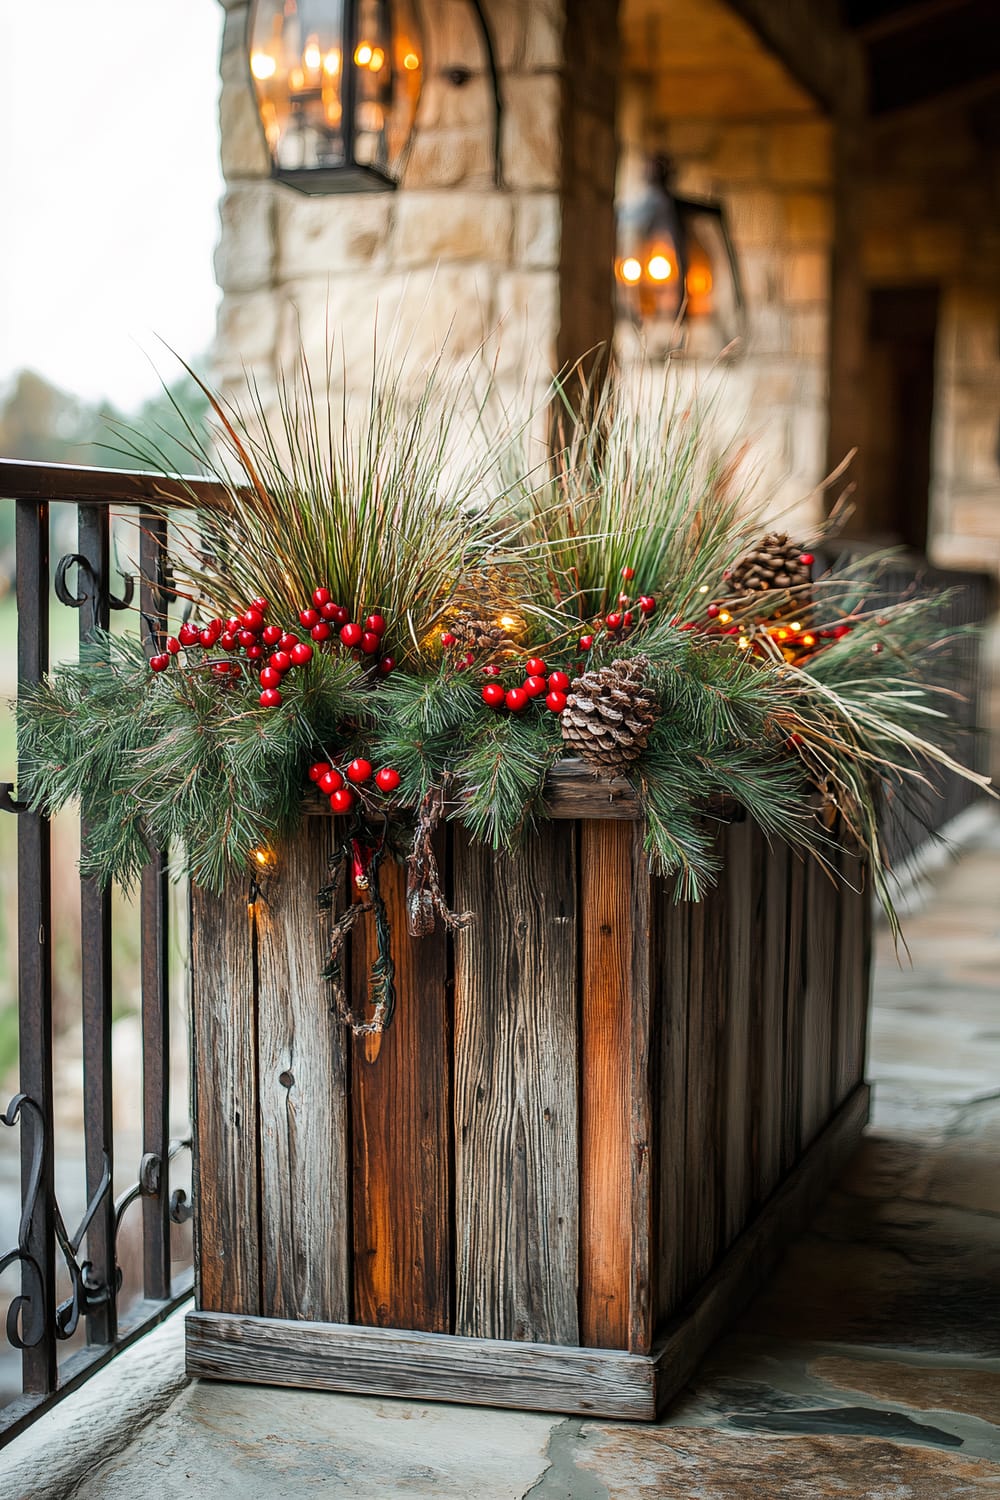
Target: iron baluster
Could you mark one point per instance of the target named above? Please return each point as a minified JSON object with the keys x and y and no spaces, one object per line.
{"x":25,"y":1315}
{"x":34,"y":964}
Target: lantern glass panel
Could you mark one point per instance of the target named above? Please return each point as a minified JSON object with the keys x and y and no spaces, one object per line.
{"x":337,"y":84}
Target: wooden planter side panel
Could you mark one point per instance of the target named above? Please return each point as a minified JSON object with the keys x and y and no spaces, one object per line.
{"x":224,"y":1047}
{"x":818,"y":1001}
{"x":516,"y":1117}
{"x":401,"y":1134}
{"x":305,"y":1265}
{"x":775,"y":882}
{"x":854,"y":905}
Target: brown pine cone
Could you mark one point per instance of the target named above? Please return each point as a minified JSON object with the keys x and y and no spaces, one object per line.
{"x":774,"y":564}
{"x":609,"y":713}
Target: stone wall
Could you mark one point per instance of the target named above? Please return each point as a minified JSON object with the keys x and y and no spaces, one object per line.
{"x":450,"y":254}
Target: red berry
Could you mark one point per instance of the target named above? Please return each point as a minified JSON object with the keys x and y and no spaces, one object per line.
{"x":840,"y":631}
{"x":319,"y":768}
{"x":308,"y":618}
{"x":280,"y":661}
{"x":301,"y":653}
{"x":712,"y":611}
{"x":491,"y":669}
{"x":448,"y":640}
{"x":255,"y":652}
{"x":622,"y":600}
{"x":342,"y":800}
{"x":247,"y":638}
{"x":534,"y":685}
{"x":515,"y":699}
{"x":648,"y":604}
{"x":558,"y":682}
{"x":351,"y":634}
{"x":534,"y":667}
{"x":613,"y":621}
{"x":187,"y":635}
{"x":628,"y":574}
{"x":627,"y":619}
{"x":370,"y":643}
{"x":340,"y":615}
{"x":160,"y":662}
{"x":556,"y":701}
{"x":321,"y":632}
{"x":288,"y":641}
{"x":234,"y":624}
{"x":376,"y":623}
{"x":387,"y":779}
{"x":386,"y":665}
{"x":321,"y":597}
{"x":270,"y":698}
{"x":585,"y":642}
{"x":227,"y":640}
{"x":223,"y":668}
{"x":270,"y":678}
{"x":330,"y":781}
{"x":878,"y":647}
{"x":271,"y":635}
{"x":211,"y":632}
{"x":468,"y":660}
{"x":359,"y":770}
{"x":494,"y":695}
{"x":329,"y":610}
{"x":807,"y":559}
{"x":795,"y":739}
{"x":261,"y":605}
{"x":173,"y":645}
{"x":253,"y":619}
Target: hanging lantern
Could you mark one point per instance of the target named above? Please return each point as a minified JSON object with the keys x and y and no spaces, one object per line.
{"x":676,"y":260}
{"x":337,"y":84}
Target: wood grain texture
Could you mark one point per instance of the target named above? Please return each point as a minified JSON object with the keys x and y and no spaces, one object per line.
{"x":421,"y":1366}
{"x":791,"y":1098}
{"x":641,"y":1286}
{"x":516,"y":1117}
{"x":401,"y":1133}
{"x":669,"y":963}
{"x":854,"y":925}
{"x":224,"y":1051}
{"x":303,"y":1094}
{"x":739,"y":1067}
{"x":703,"y":1136}
{"x":775,"y":876}
{"x":819,"y":938}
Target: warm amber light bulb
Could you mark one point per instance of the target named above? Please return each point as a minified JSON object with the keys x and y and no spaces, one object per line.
{"x":659,"y":268}
{"x":796,"y":625}
{"x":699,"y":281}
{"x":331,"y":62}
{"x":508,"y":622}
{"x":296,"y":79}
{"x":312,"y":56}
{"x":363,"y":54}
{"x":724,"y":616}
{"x":631,"y":270}
{"x":376,"y":60}
{"x":411,"y":62}
{"x":262,"y":65}
{"x":265,"y":859}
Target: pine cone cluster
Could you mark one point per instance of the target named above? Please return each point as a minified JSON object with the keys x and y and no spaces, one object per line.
{"x":609,"y":713}
{"x":479,"y":633}
{"x":775,"y":563}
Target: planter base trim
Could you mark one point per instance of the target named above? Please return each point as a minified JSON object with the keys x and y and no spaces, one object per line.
{"x":545,"y":1377}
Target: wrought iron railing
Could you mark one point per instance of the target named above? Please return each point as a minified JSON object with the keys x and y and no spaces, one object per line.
{"x":38,"y":1320}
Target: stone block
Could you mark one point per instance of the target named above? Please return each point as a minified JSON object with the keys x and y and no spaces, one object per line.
{"x":692,"y":139}
{"x":454,"y":226}
{"x":246,"y":334}
{"x":532,"y":131}
{"x":768,"y":330}
{"x":800,"y":152}
{"x":528,"y":312}
{"x":809,"y":331}
{"x":244,"y":150}
{"x":537,"y":234}
{"x":543,"y":40}
{"x":808,"y":218}
{"x":762,"y":272}
{"x":453,"y":37}
{"x":445,"y":105}
{"x":807,"y":276}
{"x":740,"y":153}
{"x":976,"y":344}
{"x":244,"y":256}
{"x":234,"y":63}
{"x":755,"y":218}
{"x":323,"y":235}
{"x":445,"y":158}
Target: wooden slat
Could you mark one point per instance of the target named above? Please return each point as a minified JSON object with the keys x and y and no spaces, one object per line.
{"x":641,"y":1287}
{"x":421,"y":1366}
{"x":669,"y":961}
{"x":791,"y":1109}
{"x":703,"y":1168}
{"x":773,"y":937}
{"x":81,"y":484}
{"x":224,"y":1046}
{"x":853,"y":976}
{"x":740,"y":1067}
{"x":303,"y":1090}
{"x":516,"y":1047}
{"x":819,"y":934}
{"x":401,"y":1134}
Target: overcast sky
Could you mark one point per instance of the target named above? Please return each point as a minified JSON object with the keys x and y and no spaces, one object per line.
{"x":109,"y":188}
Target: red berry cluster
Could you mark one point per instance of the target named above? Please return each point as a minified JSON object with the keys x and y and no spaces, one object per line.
{"x":323,"y":617}
{"x":629,"y":614}
{"x":331,"y":782}
{"x":535,"y":685}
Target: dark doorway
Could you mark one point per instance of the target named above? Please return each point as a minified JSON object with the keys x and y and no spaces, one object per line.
{"x":902,"y":329}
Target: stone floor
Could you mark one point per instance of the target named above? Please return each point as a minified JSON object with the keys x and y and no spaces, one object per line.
{"x":868,"y":1368}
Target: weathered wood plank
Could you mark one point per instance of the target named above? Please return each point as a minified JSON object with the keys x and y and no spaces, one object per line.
{"x":303,"y":1094}
{"x":224,"y":1047}
{"x":739,"y":1066}
{"x":819,"y":937}
{"x":791,"y":1112}
{"x":669,"y":960}
{"x":775,"y":878}
{"x":703,"y":1168}
{"x":401,"y":1134}
{"x":854,"y":919}
{"x":606,"y":1020}
{"x":516,"y":1050}
{"x":643,"y":1229}
{"x":421,"y":1366}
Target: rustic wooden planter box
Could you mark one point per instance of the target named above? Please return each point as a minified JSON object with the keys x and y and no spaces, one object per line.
{"x":595,"y":1121}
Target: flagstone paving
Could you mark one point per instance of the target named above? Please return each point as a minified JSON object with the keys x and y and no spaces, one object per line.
{"x":868,"y":1368}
